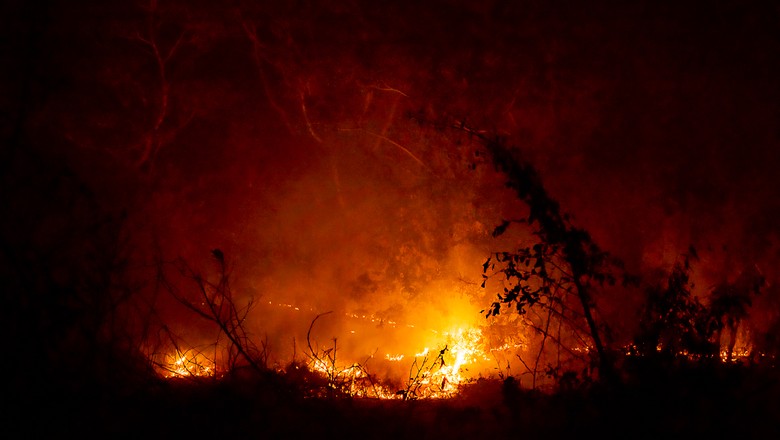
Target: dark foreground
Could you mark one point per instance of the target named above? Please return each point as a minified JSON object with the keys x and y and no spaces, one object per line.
{"x":701,"y":402}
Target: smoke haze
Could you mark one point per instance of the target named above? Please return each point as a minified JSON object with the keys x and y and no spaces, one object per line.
{"x":287,"y":135}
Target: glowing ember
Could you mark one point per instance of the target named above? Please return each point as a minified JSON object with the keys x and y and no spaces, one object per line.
{"x":439,"y":367}
{"x":188,"y":363}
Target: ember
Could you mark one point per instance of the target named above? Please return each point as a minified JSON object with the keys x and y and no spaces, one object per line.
{"x":187,"y":364}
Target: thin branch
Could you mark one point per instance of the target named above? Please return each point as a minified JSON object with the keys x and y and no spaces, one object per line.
{"x":391,"y":142}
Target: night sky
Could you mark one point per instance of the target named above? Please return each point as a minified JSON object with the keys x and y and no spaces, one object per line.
{"x":289,"y":135}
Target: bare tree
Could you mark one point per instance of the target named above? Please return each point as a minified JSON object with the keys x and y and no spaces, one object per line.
{"x":155,"y":136}
{"x":214,"y":301}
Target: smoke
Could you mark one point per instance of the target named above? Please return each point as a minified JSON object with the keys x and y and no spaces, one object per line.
{"x":287,"y":141}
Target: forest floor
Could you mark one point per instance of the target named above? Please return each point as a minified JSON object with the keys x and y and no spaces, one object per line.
{"x":727,"y":402}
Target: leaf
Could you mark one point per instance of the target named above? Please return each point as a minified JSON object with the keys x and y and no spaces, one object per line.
{"x":500,"y":229}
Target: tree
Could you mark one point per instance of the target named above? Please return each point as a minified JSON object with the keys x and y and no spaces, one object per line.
{"x":562,"y":262}
{"x":730,"y":303}
{"x":673,"y":322}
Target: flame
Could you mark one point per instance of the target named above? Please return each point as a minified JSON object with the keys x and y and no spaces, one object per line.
{"x":430,"y":377}
{"x":466,"y":348}
{"x":434,"y":373}
{"x":438,"y":363}
{"x":187,"y":363}
{"x":463,"y":347}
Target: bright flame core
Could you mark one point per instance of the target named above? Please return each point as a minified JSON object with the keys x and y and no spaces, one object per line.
{"x":187,"y":363}
{"x":433,"y":373}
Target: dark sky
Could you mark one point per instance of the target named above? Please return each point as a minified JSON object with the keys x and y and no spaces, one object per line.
{"x":280,"y":132}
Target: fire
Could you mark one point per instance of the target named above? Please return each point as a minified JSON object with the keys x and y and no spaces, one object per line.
{"x":430,"y":376}
{"x":352,"y":380}
{"x":187,"y":363}
{"x":439,"y":370}
{"x":442,"y":378}
{"x":466,"y":348}
{"x":433,"y":373}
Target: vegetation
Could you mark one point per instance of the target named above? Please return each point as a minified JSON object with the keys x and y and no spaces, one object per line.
{"x":561,"y":262}
{"x":85,"y":353}
{"x":671,"y":381}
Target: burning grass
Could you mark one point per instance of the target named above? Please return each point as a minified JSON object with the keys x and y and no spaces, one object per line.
{"x":432,"y":374}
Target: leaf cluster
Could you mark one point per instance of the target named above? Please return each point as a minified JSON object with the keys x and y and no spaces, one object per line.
{"x":673,"y":321}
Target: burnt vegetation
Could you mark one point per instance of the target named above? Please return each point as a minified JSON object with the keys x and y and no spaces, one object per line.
{"x":84,"y":351}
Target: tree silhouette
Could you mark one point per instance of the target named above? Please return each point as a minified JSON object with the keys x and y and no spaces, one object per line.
{"x":730,"y":303}
{"x":673,"y":321}
{"x":563,"y":261}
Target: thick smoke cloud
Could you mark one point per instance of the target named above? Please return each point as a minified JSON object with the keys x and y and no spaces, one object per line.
{"x":282,"y":135}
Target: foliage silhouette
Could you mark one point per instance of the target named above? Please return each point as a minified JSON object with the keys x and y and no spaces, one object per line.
{"x":730,"y":303}
{"x":673,"y":321}
{"x":563,"y":261}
